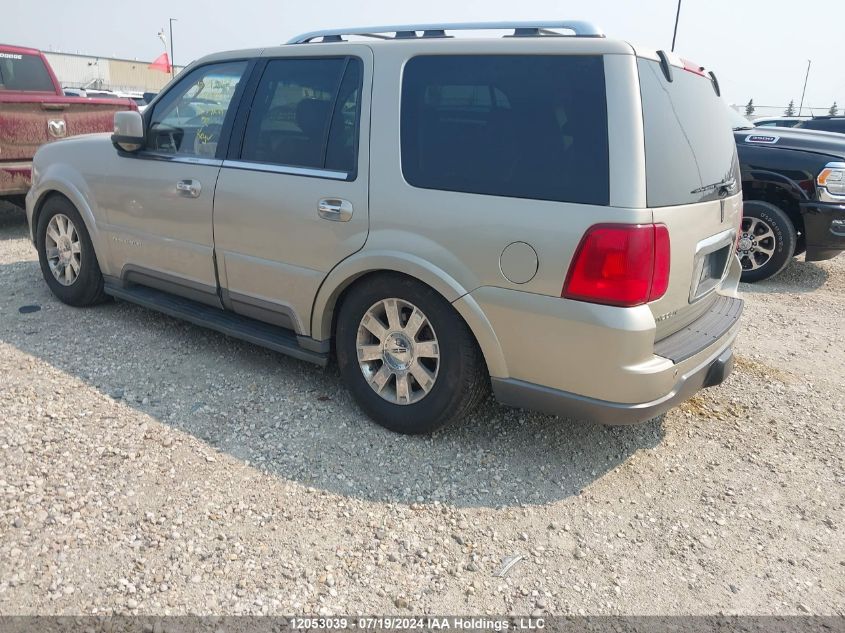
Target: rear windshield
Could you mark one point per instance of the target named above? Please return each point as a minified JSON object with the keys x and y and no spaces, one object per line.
{"x":689,"y":143}
{"x":522,"y":126}
{"x":24,"y":72}
{"x":825,"y":125}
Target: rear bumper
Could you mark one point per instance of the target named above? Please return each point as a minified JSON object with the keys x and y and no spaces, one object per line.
{"x":824,"y":228}
{"x":588,"y":361}
{"x":15,"y":178}
{"x":517,"y":393}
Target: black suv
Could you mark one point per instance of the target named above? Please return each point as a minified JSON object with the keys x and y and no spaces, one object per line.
{"x":793,"y":186}
{"x":824,"y":124}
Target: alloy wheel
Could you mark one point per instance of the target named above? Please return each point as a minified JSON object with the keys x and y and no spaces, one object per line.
{"x":398,"y":351}
{"x":63,"y":249}
{"x":757,"y":243}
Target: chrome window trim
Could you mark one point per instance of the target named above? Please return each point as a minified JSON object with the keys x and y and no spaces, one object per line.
{"x":176,"y":158}
{"x":290,"y":170}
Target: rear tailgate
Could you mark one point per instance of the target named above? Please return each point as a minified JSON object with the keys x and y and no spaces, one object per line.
{"x":693,"y":187}
{"x":702,"y":242}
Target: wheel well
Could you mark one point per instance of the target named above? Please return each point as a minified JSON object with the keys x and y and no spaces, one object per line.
{"x":343,"y":291}
{"x":39,"y":206}
{"x":779,"y":196}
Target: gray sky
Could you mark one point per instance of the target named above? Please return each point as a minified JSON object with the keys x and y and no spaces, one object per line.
{"x":758,"y":48}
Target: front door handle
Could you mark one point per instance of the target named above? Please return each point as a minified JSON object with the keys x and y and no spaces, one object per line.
{"x":335,"y":209}
{"x":189,"y":188}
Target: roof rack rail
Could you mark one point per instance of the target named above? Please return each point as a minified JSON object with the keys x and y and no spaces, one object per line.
{"x":409,"y":31}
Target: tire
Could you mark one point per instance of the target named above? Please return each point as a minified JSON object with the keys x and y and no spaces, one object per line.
{"x":86,"y":286}
{"x":451,"y":386}
{"x":767,"y":241}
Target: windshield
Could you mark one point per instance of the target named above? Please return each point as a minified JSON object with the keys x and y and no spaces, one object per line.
{"x":739,"y":122}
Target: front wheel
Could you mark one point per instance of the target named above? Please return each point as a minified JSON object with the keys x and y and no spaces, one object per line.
{"x":767,"y":241}
{"x":406,"y":356}
{"x":66,"y":254}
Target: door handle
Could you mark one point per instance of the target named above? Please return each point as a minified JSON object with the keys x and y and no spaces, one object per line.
{"x":335,"y":209}
{"x":190,"y":188}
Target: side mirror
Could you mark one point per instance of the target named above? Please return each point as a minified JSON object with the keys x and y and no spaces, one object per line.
{"x":128,"y":131}
{"x":149,"y":96}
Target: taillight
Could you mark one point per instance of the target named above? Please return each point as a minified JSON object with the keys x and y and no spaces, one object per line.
{"x":620,"y":265}
{"x":660,"y":281}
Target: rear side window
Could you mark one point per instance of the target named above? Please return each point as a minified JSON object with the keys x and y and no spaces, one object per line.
{"x":24,"y":72}
{"x":305,"y":114}
{"x":689,"y":144}
{"x":522,"y":126}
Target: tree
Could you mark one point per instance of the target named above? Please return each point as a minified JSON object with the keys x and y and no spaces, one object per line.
{"x":790,"y":109}
{"x":834,"y":109}
{"x":749,"y":108}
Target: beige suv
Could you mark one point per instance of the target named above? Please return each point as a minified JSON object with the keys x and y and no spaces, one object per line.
{"x":551,"y":213}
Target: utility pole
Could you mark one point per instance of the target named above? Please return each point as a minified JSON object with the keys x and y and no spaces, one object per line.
{"x":677,"y":17}
{"x":806,"y":77}
{"x":172,"y":63}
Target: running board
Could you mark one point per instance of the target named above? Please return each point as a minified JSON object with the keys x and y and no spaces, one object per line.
{"x":244,"y":328}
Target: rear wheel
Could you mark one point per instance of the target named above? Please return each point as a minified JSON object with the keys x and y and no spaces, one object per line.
{"x":406,"y":356}
{"x":66,"y":254}
{"x":767,"y":241}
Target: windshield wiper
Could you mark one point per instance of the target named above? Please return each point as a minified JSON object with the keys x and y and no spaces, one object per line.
{"x":727,"y":184}
{"x":738,"y":129}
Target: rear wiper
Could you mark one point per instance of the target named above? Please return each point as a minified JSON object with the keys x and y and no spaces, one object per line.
{"x":727,"y":184}
{"x":739,"y":129}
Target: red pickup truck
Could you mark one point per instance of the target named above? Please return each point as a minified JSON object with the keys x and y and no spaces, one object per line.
{"x":34,"y":111}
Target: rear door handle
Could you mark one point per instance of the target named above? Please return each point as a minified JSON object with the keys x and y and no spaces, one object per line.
{"x":335,"y":209}
{"x":189,"y":188}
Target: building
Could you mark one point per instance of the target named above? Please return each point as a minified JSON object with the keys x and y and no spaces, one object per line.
{"x":106,"y":73}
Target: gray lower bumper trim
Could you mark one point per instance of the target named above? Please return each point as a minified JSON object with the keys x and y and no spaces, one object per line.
{"x":526,"y":395}
{"x":703,"y":332}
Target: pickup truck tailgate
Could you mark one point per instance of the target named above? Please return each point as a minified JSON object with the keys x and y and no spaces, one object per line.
{"x":26,"y":124}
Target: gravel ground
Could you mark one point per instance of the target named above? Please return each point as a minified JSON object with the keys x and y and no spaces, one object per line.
{"x":149,"y":466}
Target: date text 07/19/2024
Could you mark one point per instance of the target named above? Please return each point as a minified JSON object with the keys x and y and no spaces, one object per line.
{"x":423,"y":623}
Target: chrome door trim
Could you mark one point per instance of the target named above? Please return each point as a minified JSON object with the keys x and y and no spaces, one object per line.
{"x":287,"y":169}
{"x":170,"y":158}
{"x":335,"y":209}
{"x":702,"y":249}
{"x":190,"y":188}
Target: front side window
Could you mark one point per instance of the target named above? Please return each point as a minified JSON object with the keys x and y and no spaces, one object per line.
{"x":189,"y":119}
{"x":305,"y":114}
{"x":522,"y":126}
